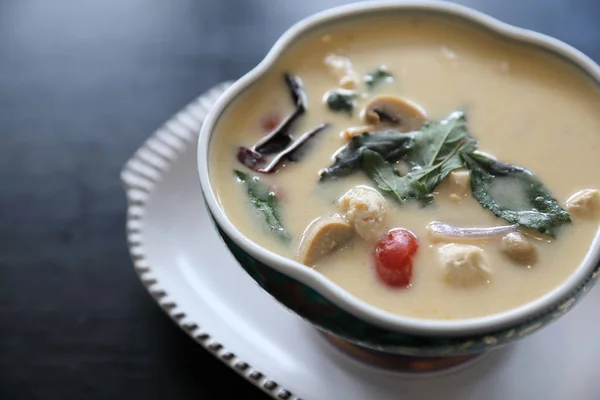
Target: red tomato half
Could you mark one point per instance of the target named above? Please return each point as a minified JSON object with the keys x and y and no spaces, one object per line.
{"x":393,"y":257}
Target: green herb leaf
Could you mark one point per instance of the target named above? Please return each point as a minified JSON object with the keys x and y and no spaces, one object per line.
{"x":432,"y":150}
{"x":391,"y":145}
{"x":418,"y":184}
{"x":264,"y":201}
{"x":433,"y":175}
{"x":340,"y":101}
{"x":436,"y":140}
{"x":377,"y":76}
{"x":514,"y":194}
{"x":404,"y":188}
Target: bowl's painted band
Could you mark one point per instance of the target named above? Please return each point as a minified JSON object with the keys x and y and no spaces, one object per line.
{"x":324,"y":315}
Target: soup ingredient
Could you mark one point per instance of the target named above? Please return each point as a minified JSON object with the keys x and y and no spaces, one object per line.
{"x":365,"y":208}
{"x":439,"y":140}
{"x":322,"y":237}
{"x":341,"y":68}
{"x":520,"y":249}
{"x":391,"y":145}
{"x":394,"y":111}
{"x":280,"y":137}
{"x":514,"y":194}
{"x":434,"y":153}
{"x":459,"y":181}
{"x":352,"y":131}
{"x":404,"y":188}
{"x":394,"y":257}
{"x":440,"y":231}
{"x":418,"y":184}
{"x":380,"y":75}
{"x":430,"y":145}
{"x":464,"y":265}
{"x":349,"y":82}
{"x":250,"y":158}
{"x":585,"y":203}
{"x":265,"y":202}
{"x":291,"y":152}
{"x":340,"y":101}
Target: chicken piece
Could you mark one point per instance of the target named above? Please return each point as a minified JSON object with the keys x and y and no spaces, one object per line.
{"x":464,"y":265}
{"x":585,"y":203}
{"x":365,"y":208}
{"x":350,"y":81}
{"x":341,"y":68}
{"x":519,"y":249}
{"x":460,"y":182}
{"x":322,"y":237}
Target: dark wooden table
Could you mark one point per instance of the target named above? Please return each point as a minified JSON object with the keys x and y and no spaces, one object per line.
{"x":82,"y":84}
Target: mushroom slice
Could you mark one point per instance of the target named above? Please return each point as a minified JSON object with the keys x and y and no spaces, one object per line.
{"x":352,"y":131}
{"x":323,"y":236}
{"x":394,"y":111}
{"x":519,"y":249}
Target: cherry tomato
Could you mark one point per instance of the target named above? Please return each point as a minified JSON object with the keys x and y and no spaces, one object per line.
{"x":393,"y":257}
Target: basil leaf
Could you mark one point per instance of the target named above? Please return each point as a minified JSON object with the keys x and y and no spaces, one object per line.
{"x":264,"y":201}
{"x":433,"y":151}
{"x":339,"y":101}
{"x":404,"y":188}
{"x":514,"y":194}
{"x":433,"y":175}
{"x":418,"y":184}
{"x":377,"y":76}
{"x":436,"y":140}
{"x":391,"y":145}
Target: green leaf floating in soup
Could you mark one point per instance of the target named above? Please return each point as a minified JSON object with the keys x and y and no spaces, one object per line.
{"x":380,"y":75}
{"x":340,"y":101}
{"x":391,"y":145}
{"x":265,"y":202}
{"x":431,"y":151}
{"x":437,"y":140}
{"x":417,"y":184}
{"x":404,"y":188}
{"x":514,"y":194}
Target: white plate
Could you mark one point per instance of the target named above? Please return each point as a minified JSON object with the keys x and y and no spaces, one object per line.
{"x":189,"y":272}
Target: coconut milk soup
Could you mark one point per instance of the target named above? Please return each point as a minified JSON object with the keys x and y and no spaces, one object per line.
{"x":429,"y":168}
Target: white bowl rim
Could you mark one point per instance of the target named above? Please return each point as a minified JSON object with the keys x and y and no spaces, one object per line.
{"x":327,"y":288}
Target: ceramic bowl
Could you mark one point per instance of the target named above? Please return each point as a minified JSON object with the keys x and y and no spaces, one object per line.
{"x":321,"y":302}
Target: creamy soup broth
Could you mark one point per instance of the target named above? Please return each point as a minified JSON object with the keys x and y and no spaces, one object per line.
{"x":524,"y":107}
